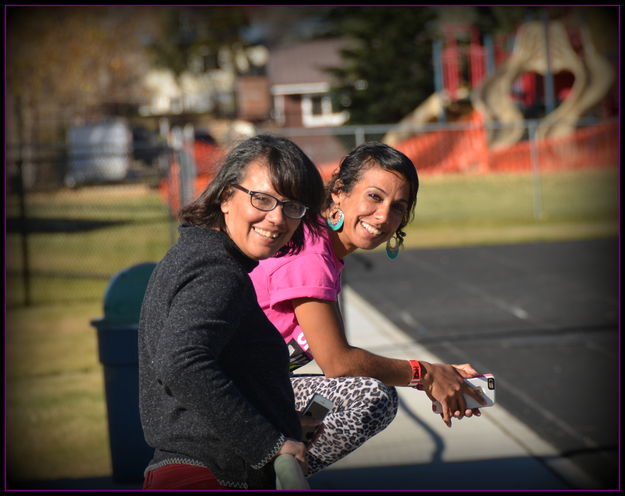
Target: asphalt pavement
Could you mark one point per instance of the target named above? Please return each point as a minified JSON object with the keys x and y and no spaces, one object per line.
{"x":542,"y":317}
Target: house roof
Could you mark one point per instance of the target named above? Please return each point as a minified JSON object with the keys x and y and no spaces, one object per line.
{"x":303,"y":63}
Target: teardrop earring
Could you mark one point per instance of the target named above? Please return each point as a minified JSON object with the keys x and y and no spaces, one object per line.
{"x":392,"y":249}
{"x":335,"y":226}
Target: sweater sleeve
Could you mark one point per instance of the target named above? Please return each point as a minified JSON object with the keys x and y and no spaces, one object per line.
{"x":204,"y":315}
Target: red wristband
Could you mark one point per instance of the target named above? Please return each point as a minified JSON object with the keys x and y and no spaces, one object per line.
{"x":417,"y":374}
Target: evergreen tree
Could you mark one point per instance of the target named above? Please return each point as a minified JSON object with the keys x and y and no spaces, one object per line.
{"x":387,"y":71}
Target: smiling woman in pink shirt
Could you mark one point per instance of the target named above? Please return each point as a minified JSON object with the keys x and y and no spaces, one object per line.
{"x":369,"y":200}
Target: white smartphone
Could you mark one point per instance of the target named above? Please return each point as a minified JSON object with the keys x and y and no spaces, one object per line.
{"x":317,"y":408}
{"x":485,"y":384}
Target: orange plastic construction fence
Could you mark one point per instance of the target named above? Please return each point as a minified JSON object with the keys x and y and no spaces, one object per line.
{"x":455,"y":151}
{"x":207,"y":157}
{"x":466,"y":151}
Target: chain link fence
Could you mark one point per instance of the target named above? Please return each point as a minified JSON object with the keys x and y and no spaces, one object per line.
{"x":78,"y":212}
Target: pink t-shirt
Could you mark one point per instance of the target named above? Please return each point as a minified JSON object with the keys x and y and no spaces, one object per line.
{"x":315,"y":272}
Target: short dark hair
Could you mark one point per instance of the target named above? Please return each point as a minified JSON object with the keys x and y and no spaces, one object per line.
{"x":369,"y":155}
{"x":292,"y":173}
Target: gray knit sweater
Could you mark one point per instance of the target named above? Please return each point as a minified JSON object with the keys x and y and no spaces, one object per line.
{"x":213,"y":371}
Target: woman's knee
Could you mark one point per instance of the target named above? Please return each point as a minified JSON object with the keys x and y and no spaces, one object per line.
{"x":379,"y":401}
{"x":385,"y":399}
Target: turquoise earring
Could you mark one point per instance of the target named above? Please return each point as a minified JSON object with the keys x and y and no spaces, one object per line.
{"x":392,"y":250}
{"x":335,"y":226}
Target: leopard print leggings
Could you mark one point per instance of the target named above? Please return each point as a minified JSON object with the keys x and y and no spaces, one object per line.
{"x":363,"y":407}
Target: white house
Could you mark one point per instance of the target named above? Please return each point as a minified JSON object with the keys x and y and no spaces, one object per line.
{"x":299,"y":85}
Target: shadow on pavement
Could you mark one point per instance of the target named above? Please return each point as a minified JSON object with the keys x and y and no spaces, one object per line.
{"x":74,"y":484}
{"x":504,"y":474}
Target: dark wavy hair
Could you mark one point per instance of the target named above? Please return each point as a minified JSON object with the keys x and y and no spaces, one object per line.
{"x":367,"y":156}
{"x":292,"y":173}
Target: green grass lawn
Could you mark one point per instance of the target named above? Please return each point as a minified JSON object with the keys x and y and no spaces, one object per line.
{"x":493,"y":209}
{"x":56,"y":420}
{"x":55,"y":411}
{"x":102,"y":230}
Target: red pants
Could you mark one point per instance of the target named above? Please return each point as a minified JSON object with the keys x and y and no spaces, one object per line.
{"x":181,"y":476}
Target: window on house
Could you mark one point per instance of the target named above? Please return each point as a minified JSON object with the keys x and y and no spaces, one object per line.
{"x":317,"y":105}
{"x":204,"y":61}
{"x":210,"y":62}
{"x":317,"y":111}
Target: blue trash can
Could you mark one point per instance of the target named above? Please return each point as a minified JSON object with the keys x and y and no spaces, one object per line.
{"x":118,"y":351}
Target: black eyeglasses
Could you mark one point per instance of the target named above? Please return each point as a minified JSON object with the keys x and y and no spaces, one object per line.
{"x":266,"y":203}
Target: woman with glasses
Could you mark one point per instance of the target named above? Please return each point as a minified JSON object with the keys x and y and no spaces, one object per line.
{"x":369,"y":201}
{"x":216,"y":401}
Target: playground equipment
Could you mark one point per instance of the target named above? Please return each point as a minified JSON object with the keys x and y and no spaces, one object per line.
{"x":540,"y":48}
{"x":543,"y":48}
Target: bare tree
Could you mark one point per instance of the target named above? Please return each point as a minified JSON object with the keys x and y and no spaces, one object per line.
{"x":81,"y":55}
